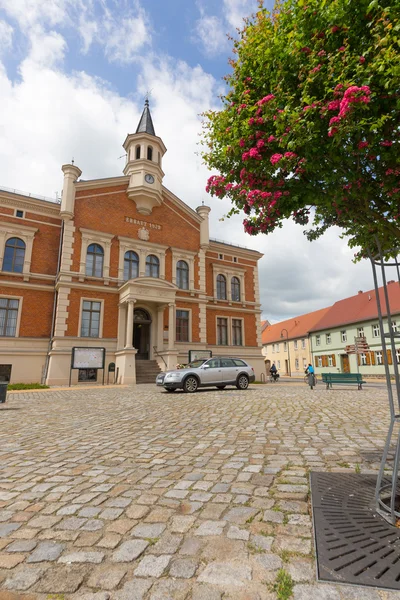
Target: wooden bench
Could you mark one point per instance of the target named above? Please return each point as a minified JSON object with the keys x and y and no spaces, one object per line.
{"x":342,"y":378}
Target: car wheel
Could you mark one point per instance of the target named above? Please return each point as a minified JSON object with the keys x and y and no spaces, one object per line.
{"x":242,"y":382}
{"x":221,"y":387}
{"x":191,"y":384}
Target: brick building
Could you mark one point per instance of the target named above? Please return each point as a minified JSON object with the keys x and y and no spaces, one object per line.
{"x":122,"y":264}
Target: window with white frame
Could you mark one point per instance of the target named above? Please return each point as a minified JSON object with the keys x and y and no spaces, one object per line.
{"x":363,"y":359}
{"x":343,"y":335}
{"x":320,"y":361}
{"x":330,"y":361}
{"x":131,"y":265}
{"x":375,"y":330}
{"x":235,"y":289}
{"x":222,"y":331}
{"x":273,"y":348}
{"x":152,"y":266}
{"x":360,"y":331}
{"x":279,"y":364}
{"x":304,"y":363}
{"x":328,"y":338}
{"x":221,"y":287}
{"x":8,"y":317}
{"x":285,"y":346}
{"x":94,"y":260}
{"x":303,"y":343}
{"x":296,"y":364}
{"x":90,"y":322}
{"x":182,"y":325}
{"x":14,"y":255}
{"x":398,"y":356}
{"x":277,"y":347}
{"x":182,"y":275}
{"x":237,"y":337}
{"x":379,"y":358}
{"x":317,"y":340}
{"x":295,"y":344}
{"x":394,"y":326}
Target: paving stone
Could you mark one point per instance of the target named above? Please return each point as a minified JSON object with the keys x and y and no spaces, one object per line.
{"x":9,"y":561}
{"x":299,"y":520}
{"x":129,"y":550}
{"x":183,"y":567}
{"x":72,"y":524}
{"x":224,"y":574}
{"x":167,"y":544}
{"x":292,"y":544}
{"x":90,"y":596}
{"x":134,"y":590}
{"x":46,"y":551}
{"x":121,"y":526}
{"x":273,"y":516}
{"x":152,"y":566}
{"x":168,"y":589}
{"x":262,"y":542}
{"x":316,"y":592}
{"x":210,"y":528}
{"x":235,"y":533}
{"x":148,"y":530}
{"x":22,"y":546}
{"x":110,"y":540}
{"x":24,"y":578}
{"x":181,"y":524}
{"x":89,"y":511}
{"x":240,"y":515}
{"x":60,"y":580}
{"x":82,"y":557}
{"x":205,"y":592}
{"x":191,"y":546}
{"x":111,"y":514}
{"x":293,"y":506}
{"x":137,"y":512}
{"x":87,"y":539}
{"x":359,"y":593}
{"x":106,"y":578}
{"x":301,"y":570}
{"x":159,"y":515}
{"x":270,"y":562}
{"x":8,"y":528}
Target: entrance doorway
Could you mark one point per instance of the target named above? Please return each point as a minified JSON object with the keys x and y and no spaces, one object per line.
{"x":141,"y":333}
{"x":345,"y":363}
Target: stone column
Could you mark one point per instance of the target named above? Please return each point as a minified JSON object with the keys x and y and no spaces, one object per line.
{"x":171,"y":326}
{"x":121,"y":326}
{"x":129,"y":324}
{"x":160,"y":328}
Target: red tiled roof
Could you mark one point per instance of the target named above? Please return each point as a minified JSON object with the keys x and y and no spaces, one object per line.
{"x":297,"y":327}
{"x":362,"y":307}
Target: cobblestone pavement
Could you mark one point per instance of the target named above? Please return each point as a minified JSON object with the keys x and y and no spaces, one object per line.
{"x":136,"y":494}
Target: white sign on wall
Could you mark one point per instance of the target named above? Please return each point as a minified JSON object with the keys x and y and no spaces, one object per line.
{"x":88,"y":358}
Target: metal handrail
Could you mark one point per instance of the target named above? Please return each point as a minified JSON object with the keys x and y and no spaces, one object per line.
{"x":156,"y":352}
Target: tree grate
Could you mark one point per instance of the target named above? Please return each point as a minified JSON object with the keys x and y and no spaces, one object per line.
{"x":354,"y":544}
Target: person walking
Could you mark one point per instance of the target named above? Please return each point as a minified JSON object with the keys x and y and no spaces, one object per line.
{"x":311,"y":375}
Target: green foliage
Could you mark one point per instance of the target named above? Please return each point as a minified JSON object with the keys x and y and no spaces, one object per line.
{"x":27,"y":386}
{"x":283,"y":586}
{"x":309,"y":129}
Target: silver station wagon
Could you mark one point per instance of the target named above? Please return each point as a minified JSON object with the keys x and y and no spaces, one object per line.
{"x":211,"y":372}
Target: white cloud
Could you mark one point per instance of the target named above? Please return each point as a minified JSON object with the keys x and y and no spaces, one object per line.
{"x":6,"y":35}
{"x":210,"y":31}
{"x":47,"y":49}
{"x":236,"y":10}
{"x":125,"y":37}
{"x":29,"y":13}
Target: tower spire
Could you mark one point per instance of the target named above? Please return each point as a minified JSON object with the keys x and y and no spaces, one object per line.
{"x":146,"y":122}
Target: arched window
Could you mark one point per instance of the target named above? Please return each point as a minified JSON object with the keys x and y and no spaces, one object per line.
{"x":131,"y":265}
{"x":235,"y":289}
{"x":152,"y":266}
{"x":137,"y":152}
{"x":94,"y":260}
{"x":14,"y":255}
{"x":149,"y":153}
{"x":182,"y":275}
{"x":221,"y":287}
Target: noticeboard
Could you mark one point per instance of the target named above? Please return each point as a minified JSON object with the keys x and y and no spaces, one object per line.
{"x":87,"y":358}
{"x":198,"y":354}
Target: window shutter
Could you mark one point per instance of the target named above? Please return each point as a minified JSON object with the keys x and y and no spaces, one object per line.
{"x":316,"y":361}
{"x":368,"y":358}
{"x":373,"y":360}
{"x":324,"y":361}
{"x":389,"y":356}
{"x":333,"y":360}
{"x":358,"y":359}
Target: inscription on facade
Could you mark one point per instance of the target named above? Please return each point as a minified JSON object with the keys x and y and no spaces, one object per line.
{"x":143,"y":223}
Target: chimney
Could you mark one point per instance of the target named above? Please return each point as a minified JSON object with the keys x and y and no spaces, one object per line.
{"x":391,"y":281}
{"x":360,"y":291}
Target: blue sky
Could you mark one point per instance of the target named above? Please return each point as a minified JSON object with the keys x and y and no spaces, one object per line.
{"x":73,"y":78}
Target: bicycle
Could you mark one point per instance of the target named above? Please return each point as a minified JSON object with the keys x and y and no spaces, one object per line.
{"x":273,"y":378}
{"x":310,"y":379}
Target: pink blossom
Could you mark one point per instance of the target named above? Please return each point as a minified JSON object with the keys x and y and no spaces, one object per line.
{"x":275,"y":158}
{"x":251,"y":121}
{"x":334,"y":105}
{"x":241,"y":143}
{"x":334,"y":120}
{"x":260,"y":120}
{"x":248,"y":78}
{"x":342,"y":48}
{"x":245,"y":155}
{"x":266,"y":99}
{"x":266,"y":195}
{"x":335,"y":28}
{"x":389,"y":172}
{"x":362,"y":59}
{"x":321,"y":53}
{"x":254,"y":153}
{"x":290,"y":155}
{"x":386,"y":143}
{"x":272,"y":203}
{"x":363,"y":145}
{"x":260,"y":144}
{"x":307,"y":107}
{"x":271,"y":138}
{"x":277,"y":195}
{"x":228,"y":186}
{"x":305,"y":49}
{"x":316,"y":69}
{"x":332,"y":131}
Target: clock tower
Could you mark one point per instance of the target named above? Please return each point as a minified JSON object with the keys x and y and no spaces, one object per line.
{"x":144,"y":152}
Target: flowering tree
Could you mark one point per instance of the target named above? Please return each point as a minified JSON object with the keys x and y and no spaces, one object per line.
{"x":309,"y":129}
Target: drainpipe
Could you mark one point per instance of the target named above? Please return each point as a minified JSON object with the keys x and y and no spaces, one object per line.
{"x":53,"y":318}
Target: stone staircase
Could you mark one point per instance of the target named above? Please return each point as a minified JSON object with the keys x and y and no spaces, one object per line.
{"x":147,"y":371}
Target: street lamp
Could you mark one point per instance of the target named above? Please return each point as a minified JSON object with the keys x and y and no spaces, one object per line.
{"x":288,"y":353}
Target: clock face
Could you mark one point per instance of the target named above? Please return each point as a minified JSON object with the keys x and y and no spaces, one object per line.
{"x":149,"y":178}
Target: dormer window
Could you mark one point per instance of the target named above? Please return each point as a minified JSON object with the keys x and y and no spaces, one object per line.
{"x":149,"y":153}
{"x":137,"y":152}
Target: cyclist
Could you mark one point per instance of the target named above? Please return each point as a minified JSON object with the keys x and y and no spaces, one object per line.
{"x":311,"y":375}
{"x":274,"y":372}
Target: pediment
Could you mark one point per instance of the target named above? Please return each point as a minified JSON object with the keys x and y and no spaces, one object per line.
{"x":148,"y":288}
